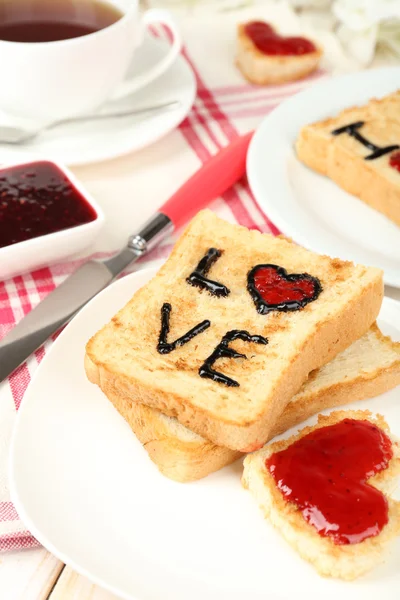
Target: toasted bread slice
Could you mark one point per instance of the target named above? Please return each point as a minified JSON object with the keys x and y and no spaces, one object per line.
{"x":129,"y":351}
{"x":330,"y":559}
{"x":344,"y":159}
{"x":264,"y":69}
{"x":369,"y":367}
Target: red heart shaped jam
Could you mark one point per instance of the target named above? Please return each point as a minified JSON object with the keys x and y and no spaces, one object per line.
{"x":272,"y":288}
{"x":325,"y":475}
{"x":394,"y":160}
{"x":267,"y":41}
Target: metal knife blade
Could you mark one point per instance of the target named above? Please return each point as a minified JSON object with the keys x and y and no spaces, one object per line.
{"x":51,"y":314}
{"x":69,"y":297}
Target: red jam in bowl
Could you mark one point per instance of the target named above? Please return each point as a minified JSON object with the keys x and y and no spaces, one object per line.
{"x":325,"y":474}
{"x":37,"y":199}
{"x":267,"y":41}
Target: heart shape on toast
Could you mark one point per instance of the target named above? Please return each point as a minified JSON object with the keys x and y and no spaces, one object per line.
{"x":325,"y":474}
{"x":269,"y":42}
{"x":273,"y":288}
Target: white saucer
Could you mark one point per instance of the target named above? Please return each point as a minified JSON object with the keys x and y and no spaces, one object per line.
{"x":310,"y":208}
{"x":100,"y":140}
{"x":88,"y":491}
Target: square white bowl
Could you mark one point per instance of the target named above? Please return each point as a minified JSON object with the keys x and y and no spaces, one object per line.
{"x":49,"y":249}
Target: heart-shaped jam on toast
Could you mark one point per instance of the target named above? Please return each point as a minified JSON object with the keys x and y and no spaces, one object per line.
{"x":325,"y":474}
{"x":269,"y":42}
{"x":273,"y":288}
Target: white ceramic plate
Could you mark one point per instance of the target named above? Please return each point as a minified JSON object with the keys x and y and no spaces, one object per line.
{"x":308,"y":207}
{"x":100,"y":140}
{"x":87,"y":490}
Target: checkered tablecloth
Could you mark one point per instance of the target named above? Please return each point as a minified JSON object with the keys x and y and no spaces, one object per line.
{"x":225,"y":106}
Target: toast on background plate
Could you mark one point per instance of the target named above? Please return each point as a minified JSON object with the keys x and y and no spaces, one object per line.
{"x":360,"y":151}
{"x":369,"y":367}
{"x":230,"y":327}
{"x":320,"y":490}
{"x":266,"y":58}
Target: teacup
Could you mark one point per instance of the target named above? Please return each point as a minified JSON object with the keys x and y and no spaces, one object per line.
{"x":47,"y":81}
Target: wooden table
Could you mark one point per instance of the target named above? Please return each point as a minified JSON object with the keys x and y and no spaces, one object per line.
{"x":38,"y":575}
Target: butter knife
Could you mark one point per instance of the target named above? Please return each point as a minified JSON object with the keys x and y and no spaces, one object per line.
{"x":219,"y":173}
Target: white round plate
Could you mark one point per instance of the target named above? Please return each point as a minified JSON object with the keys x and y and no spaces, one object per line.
{"x":87,"y":490}
{"x":104,"y":139}
{"x":308,"y":207}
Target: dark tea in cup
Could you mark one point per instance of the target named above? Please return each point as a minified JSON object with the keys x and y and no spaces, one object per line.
{"x":35,"y":21}
{"x":62,"y":58}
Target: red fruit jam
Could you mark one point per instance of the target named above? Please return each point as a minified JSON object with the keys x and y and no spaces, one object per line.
{"x":275,"y":289}
{"x":269,"y":42}
{"x":325,"y":474}
{"x":394,"y":160}
{"x":37,"y":199}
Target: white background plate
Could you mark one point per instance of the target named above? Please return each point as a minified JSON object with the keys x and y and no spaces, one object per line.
{"x":87,"y":490}
{"x":308,"y":207}
{"x":100,"y":140}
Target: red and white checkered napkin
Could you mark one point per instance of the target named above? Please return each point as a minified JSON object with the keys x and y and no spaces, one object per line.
{"x":219,"y":114}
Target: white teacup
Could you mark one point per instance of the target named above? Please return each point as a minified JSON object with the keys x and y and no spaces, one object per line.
{"x":54,"y":80}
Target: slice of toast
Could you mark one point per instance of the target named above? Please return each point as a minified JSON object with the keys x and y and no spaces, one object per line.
{"x":369,"y":367}
{"x":329,"y":148}
{"x":225,"y":362}
{"x":345,"y":561}
{"x":266,"y":69}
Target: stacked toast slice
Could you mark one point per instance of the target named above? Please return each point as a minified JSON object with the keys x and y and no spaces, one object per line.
{"x":359,"y":149}
{"x":239,"y":337}
{"x":229,"y":329}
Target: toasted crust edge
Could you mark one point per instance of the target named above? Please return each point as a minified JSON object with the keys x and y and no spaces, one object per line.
{"x":179,"y":460}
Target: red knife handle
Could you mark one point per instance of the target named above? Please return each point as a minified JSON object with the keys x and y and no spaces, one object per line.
{"x":218,"y":174}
